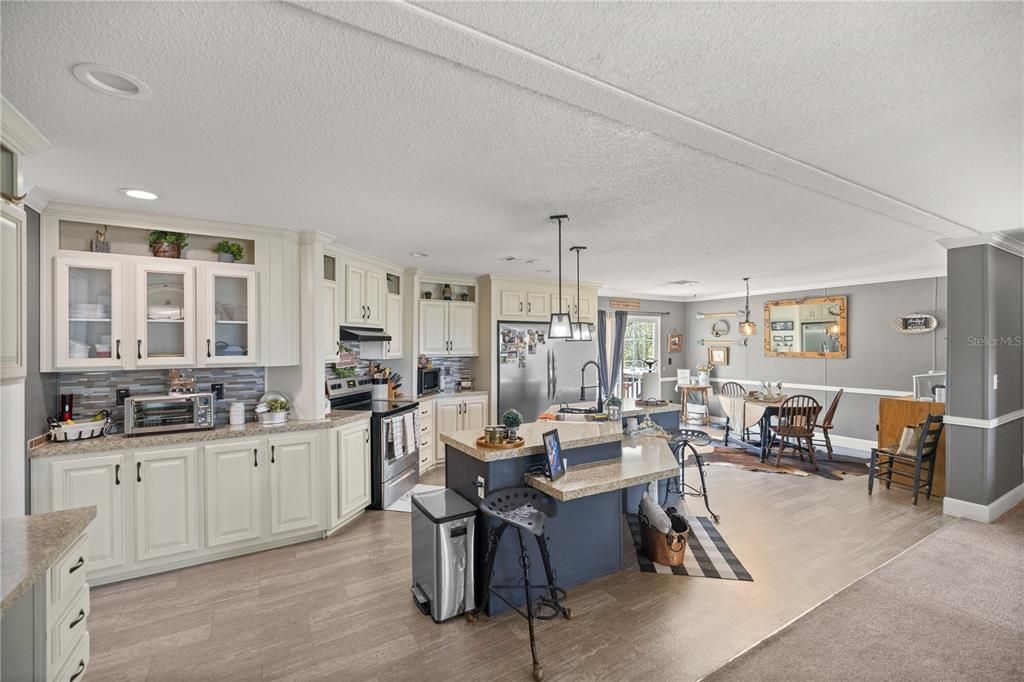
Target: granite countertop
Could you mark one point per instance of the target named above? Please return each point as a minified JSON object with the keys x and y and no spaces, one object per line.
{"x":31,"y":544}
{"x":248,"y":430}
{"x":450,"y":394}
{"x":571,"y":435}
{"x":630,"y":407}
{"x":644,"y":459}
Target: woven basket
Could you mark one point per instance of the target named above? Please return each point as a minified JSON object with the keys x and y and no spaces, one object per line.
{"x":668,"y":548}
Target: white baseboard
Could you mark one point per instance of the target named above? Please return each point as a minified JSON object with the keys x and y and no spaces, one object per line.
{"x":861,"y":445}
{"x":981,"y":512}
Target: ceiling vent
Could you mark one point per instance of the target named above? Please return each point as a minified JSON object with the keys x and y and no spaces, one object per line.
{"x":684,"y":282}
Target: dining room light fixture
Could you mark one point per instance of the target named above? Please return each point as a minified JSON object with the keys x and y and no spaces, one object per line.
{"x":136,"y":193}
{"x":747,"y":328}
{"x":580,"y":330}
{"x":560,"y":326}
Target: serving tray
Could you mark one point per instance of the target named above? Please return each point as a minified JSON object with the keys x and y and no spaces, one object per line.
{"x":481,"y":442}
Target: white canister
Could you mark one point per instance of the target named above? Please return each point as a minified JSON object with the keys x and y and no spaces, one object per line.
{"x":236,"y":415}
{"x":379,"y":391}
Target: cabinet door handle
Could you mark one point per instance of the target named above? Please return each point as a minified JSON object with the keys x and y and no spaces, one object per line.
{"x":81,"y":669}
{"x":255,"y":457}
{"x":529,"y":307}
{"x":339,"y":348}
{"x":520,"y":306}
{"x":78,"y":619}
{"x":78,"y":565}
{"x":140,"y":349}
{"x":366,"y":432}
{"x":208,"y":348}
{"x":138,"y":472}
{"x":117,"y":474}
{"x":118,"y":350}
{"x":272,"y":448}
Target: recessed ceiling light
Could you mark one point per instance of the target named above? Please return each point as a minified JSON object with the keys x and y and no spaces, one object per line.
{"x":138,"y":193}
{"x":111,"y":81}
{"x":418,"y":254}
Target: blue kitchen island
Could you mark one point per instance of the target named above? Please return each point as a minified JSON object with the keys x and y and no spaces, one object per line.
{"x":588,"y":535}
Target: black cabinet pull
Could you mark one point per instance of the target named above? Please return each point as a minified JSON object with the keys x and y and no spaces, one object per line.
{"x":117,"y":474}
{"x":272,"y":448}
{"x":79,"y":619}
{"x":138,"y":472}
{"x":208,"y":348}
{"x":520,"y":306}
{"x":367,"y":439}
{"x":255,"y":457}
{"x":118,"y":351}
{"x":140,"y":349}
{"x":78,"y":565}
{"x":81,"y":669}
{"x":529,"y":307}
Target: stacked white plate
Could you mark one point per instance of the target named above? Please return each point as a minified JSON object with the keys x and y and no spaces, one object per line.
{"x":89,"y":311}
{"x":77,"y":349}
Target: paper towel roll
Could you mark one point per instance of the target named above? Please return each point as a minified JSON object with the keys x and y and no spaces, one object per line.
{"x":650,"y":387}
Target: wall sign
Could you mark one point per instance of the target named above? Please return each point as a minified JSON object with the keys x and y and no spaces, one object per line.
{"x":784,"y":326}
{"x":624,"y":304}
{"x":915,"y":323}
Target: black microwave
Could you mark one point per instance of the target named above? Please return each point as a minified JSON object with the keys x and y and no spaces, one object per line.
{"x":429,"y":380}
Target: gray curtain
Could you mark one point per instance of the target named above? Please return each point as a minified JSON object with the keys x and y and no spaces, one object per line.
{"x":609,"y":379}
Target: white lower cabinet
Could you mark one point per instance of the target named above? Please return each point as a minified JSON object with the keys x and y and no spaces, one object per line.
{"x":293,"y":483}
{"x":98,"y":482}
{"x":350,"y":471}
{"x":234,"y":496}
{"x":458,"y":414}
{"x":166,"y":488}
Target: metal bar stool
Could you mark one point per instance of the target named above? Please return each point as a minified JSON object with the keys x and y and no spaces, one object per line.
{"x":524,"y":509}
{"x":686,"y":439}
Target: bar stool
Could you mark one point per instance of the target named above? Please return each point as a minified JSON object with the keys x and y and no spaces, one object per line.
{"x":524,"y":509}
{"x":686,"y":439}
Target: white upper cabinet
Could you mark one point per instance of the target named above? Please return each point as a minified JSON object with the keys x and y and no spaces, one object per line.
{"x":584,"y":308}
{"x":434,"y":327}
{"x":537,"y":305}
{"x":462,"y":328}
{"x":330,"y":309}
{"x":365,"y":295}
{"x":512,"y":303}
{"x":13,"y":291}
{"x":448,"y":328}
{"x":229,"y":333}
{"x":165,"y":311}
{"x":88,"y":314}
{"x":393,"y":326}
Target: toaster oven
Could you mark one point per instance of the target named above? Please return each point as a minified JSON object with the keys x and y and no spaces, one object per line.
{"x":163,"y":413}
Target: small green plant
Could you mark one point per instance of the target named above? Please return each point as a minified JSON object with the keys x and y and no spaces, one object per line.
{"x":232,"y":249}
{"x":164,"y":237}
{"x":512,"y":419}
{"x":613,"y":401}
{"x":344,"y":372}
{"x":278,"y":405}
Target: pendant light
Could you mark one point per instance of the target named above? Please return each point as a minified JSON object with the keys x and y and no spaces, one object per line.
{"x":747,"y":328}
{"x":580,"y":330}
{"x":560,"y":326}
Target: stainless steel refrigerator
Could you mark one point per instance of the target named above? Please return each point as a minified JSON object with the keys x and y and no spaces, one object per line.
{"x":535,"y":372}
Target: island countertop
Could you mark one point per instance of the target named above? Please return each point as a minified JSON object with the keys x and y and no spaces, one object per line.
{"x":31,"y":544}
{"x":644,"y":459}
{"x":570,"y":434}
{"x":248,"y":430}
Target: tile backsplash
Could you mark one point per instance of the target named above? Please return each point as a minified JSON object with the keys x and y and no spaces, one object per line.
{"x":453,"y":370}
{"x":95,"y":391}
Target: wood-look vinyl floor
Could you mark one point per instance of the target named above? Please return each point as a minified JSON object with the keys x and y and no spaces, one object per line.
{"x":340,"y":608}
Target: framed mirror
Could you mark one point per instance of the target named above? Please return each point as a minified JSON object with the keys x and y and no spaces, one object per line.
{"x":805,"y":328}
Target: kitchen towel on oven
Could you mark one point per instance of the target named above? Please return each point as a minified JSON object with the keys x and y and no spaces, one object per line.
{"x":409,"y":419}
{"x":397,"y":436}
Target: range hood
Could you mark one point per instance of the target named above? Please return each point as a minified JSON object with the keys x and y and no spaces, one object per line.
{"x":363,"y":335}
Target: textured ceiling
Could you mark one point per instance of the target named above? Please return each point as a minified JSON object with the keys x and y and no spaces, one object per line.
{"x":414,"y":133}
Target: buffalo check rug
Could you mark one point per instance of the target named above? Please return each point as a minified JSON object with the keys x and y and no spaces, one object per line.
{"x":707,"y":555}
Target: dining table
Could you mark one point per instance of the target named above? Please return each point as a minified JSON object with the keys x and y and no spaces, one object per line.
{"x":750,"y":411}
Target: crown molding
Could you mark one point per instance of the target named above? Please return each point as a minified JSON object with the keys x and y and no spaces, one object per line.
{"x":18,"y":134}
{"x":37,"y":200}
{"x":996,"y":239}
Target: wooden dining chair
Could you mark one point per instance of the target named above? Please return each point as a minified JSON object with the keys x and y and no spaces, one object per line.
{"x":885,"y":460}
{"x":826,"y":423}
{"x":733,"y":389}
{"x":797,"y":418}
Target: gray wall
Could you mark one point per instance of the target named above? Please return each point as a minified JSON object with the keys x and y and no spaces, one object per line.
{"x":986,"y":323}
{"x":41,"y":392}
{"x":878,"y":358}
{"x":672,"y":322}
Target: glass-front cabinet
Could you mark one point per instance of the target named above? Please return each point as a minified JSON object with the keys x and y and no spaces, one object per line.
{"x":165,"y":315}
{"x":230,"y":312}
{"x":89,"y":314}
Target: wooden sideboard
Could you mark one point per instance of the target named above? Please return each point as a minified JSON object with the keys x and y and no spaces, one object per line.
{"x":895,"y":413}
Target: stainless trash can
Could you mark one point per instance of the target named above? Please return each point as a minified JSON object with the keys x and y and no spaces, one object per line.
{"x":443,"y":523}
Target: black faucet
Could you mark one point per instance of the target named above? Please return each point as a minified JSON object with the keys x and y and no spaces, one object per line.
{"x":584,"y":387}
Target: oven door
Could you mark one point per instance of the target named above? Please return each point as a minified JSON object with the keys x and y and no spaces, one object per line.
{"x":392,"y":461}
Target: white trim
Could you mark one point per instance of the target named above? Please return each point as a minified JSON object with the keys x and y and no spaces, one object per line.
{"x":858,"y":444}
{"x":996,"y":239}
{"x":971,"y":422}
{"x":18,"y":134}
{"x":37,"y":200}
{"x":985,"y":513}
{"x":819,"y":387}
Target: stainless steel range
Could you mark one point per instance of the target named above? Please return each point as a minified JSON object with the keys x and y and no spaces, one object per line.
{"x":394,"y":447}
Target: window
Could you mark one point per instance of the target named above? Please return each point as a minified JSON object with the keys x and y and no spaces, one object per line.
{"x":642,"y":342}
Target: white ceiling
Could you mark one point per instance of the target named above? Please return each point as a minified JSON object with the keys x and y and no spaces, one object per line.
{"x":803,"y":144}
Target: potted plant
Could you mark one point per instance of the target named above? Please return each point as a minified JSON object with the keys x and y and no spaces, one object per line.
{"x":228,"y":252}
{"x":512,"y":419}
{"x":704,"y":373}
{"x":613,"y":407}
{"x":273,"y":411}
{"x":166,"y":244}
